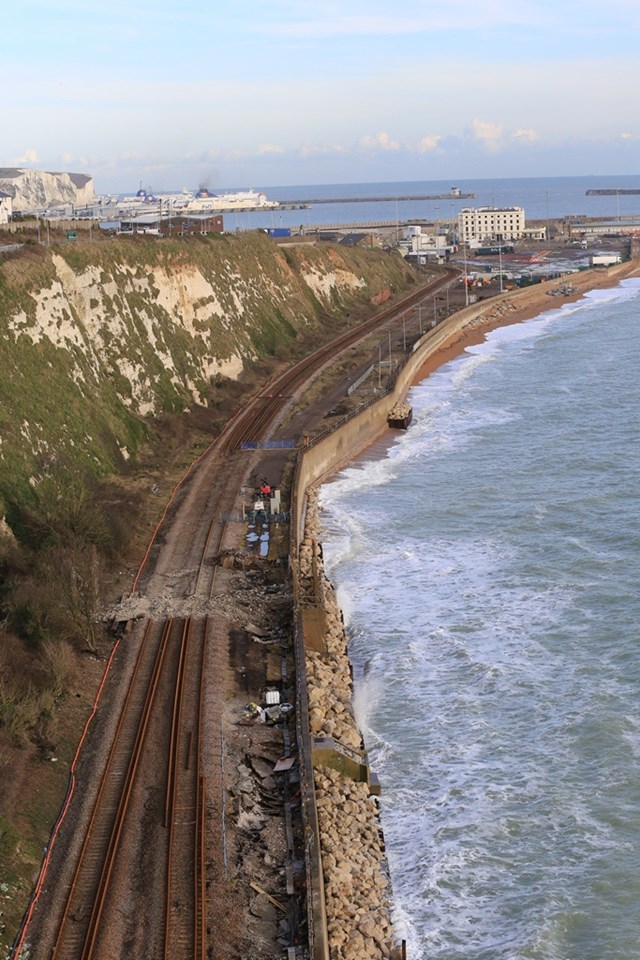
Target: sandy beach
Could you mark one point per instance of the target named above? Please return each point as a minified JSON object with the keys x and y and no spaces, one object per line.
{"x":521,"y":305}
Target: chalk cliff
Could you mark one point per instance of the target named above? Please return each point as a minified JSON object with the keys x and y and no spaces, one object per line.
{"x":38,"y":189}
{"x":98,"y":337}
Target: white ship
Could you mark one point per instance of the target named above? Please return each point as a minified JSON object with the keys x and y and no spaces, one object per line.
{"x":184,"y":203}
{"x":204,"y":201}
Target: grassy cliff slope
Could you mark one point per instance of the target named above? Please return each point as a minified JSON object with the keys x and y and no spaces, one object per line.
{"x":99,"y":337}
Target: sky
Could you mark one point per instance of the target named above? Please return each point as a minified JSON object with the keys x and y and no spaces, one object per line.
{"x":183,"y":93}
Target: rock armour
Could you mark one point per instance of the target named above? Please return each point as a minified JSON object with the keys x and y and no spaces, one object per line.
{"x":354,"y":866}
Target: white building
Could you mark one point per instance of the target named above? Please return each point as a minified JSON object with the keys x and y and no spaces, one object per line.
{"x":490,"y":224}
{"x":425,"y":246}
{"x":6,"y":204}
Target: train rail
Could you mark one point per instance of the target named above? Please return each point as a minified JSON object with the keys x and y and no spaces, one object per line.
{"x":165,"y":694}
{"x":184,"y":934}
{"x":264,"y":407}
{"x":87,"y":897}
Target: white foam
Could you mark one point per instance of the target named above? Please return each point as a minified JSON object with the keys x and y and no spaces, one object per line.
{"x":494,"y":689}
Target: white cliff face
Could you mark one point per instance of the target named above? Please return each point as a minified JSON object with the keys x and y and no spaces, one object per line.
{"x":323,"y":284}
{"x":76,"y":313}
{"x":95,"y":337}
{"x":37,"y":189}
{"x":161,"y":322}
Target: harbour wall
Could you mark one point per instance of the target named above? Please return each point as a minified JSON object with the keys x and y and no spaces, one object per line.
{"x":314,"y":622}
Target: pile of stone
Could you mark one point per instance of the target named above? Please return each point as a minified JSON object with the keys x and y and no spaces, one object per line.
{"x":329,"y":692}
{"x":498,"y":311}
{"x":353,"y":864}
{"x":353,"y":861}
{"x":400,"y":410}
{"x":308,"y":549}
{"x":329,"y":684}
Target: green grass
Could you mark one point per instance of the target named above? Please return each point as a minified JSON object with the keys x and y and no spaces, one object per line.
{"x":73,"y":402}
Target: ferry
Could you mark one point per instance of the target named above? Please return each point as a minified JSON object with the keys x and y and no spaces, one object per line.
{"x":242,"y":200}
{"x":188,"y":202}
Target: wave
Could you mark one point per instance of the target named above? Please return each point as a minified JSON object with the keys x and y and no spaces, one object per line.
{"x":489,"y":568}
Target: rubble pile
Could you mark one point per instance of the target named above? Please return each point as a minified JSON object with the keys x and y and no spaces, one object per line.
{"x":329,"y":694}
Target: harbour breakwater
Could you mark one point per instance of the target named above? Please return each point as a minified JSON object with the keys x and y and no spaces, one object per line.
{"x":349,"y":911}
{"x":400,"y":198}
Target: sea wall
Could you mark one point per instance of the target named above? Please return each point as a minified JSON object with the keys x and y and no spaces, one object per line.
{"x":352,"y":437}
{"x":348,"y":894}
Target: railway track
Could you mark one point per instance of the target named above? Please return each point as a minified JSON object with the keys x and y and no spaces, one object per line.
{"x":184,"y":933}
{"x":86,"y":901}
{"x":163,"y":705}
{"x":149,"y":808}
{"x":265,"y":406}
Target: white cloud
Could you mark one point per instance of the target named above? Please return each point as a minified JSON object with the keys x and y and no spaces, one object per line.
{"x":309,"y":149}
{"x":630,"y":136}
{"x":488,"y":134}
{"x":269,"y":148}
{"x":525,"y":136}
{"x":29,"y":156}
{"x":373,"y":18}
{"x":380,"y":142}
{"x":427,"y":144}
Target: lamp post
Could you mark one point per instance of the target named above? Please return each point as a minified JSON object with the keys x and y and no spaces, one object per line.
{"x":546,"y":197}
{"x":466,"y":285}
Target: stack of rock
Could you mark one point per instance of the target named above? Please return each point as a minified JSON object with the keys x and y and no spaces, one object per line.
{"x":400,"y":410}
{"x":329,"y":693}
{"x":353,"y":864}
{"x":353,"y":861}
{"x":309,"y":547}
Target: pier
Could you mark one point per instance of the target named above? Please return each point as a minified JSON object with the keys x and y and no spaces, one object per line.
{"x":425,"y":196}
{"x":613,"y":192}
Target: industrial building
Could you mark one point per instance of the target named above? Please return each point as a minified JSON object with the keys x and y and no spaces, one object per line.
{"x":176,"y":226}
{"x":422,"y":246}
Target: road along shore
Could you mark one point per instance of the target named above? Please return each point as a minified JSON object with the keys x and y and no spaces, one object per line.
{"x":348,"y":890}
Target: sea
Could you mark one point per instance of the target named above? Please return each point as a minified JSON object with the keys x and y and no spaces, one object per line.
{"x":487,"y":563}
{"x":541,"y":197}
